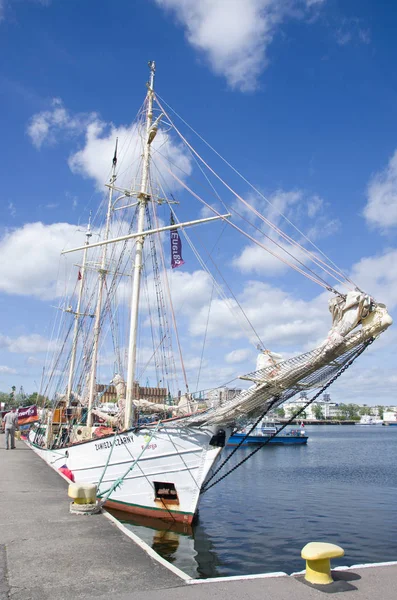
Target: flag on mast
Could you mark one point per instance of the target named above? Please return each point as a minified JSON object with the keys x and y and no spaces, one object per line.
{"x":176,"y":246}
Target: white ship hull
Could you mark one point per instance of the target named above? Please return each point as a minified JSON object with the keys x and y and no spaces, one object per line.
{"x":176,"y":458}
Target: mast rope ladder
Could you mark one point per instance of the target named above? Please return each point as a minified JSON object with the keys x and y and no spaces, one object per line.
{"x":205,"y":487}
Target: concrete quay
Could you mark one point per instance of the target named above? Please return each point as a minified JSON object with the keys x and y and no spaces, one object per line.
{"x":46,"y":553}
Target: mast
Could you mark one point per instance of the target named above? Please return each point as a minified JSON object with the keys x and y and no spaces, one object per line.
{"x":143,"y":198}
{"x":77,"y":314}
{"x":101,"y":285}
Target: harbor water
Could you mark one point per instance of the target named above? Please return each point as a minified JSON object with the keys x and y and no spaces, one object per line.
{"x":341,"y":487}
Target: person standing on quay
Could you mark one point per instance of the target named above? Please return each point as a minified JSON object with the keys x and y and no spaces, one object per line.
{"x":10,"y":425}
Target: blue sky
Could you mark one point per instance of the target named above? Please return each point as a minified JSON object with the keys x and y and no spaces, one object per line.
{"x":299,"y":95}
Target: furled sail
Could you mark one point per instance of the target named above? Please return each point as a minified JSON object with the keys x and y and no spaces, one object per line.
{"x":276,"y":383}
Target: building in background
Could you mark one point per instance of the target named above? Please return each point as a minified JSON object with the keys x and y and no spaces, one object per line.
{"x":219,"y":396}
{"x":319,"y":410}
{"x":390,"y":417}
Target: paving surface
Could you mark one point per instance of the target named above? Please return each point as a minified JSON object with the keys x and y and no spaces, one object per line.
{"x":48,"y":554}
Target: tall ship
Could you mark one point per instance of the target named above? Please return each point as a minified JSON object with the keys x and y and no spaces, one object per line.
{"x":162,"y":446}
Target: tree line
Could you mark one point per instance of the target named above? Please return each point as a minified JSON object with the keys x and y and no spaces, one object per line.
{"x":16,"y":399}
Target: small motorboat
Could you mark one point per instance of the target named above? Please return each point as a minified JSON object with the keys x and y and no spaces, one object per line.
{"x":262,"y":433}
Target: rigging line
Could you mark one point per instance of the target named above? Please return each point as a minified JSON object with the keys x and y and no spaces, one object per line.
{"x":52,"y":374}
{"x":56,"y":361}
{"x":298,"y":269}
{"x":252,"y":209}
{"x":161,"y":312}
{"x":261,"y":231}
{"x":171,"y":305}
{"x":171,"y":357}
{"x":213,"y":262}
{"x":291,"y":255}
{"x":229,"y":456}
{"x":218,"y":287}
{"x":66,"y":363}
{"x":218,"y":387}
{"x":220,"y":291}
{"x":156,"y":366}
{"x":312,"y":257}
{"x":123,"y":151}
{"x":146,"y":477}
{"x":113,"y":328}
{"x":46,"y":361}
{"x":360,"y":350}
{"x":153,"y":355}
{"x":105,"y":495}
{"x":251,"y":185}
{"x":112,"y":295}
{"x":205,"y":335}
{"x":182,"y":459}
{"x":107,"y":308}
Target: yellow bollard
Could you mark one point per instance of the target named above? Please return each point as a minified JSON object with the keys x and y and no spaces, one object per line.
{"x":82,"y":493}
{"x":318,"y":561}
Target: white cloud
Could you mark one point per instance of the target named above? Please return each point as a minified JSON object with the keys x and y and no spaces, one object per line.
{"x":31,"y":263}
{"x":27,"y":344}
{"x":254,"y":259}
{"x":30,"y":258}
{"x":352,"y":30}
{"x":377,"y":275}
{"x":280,"y":318}
{"x":234,"y":35}
{"x":7,"y":370}
{"x":206,"y":212}
{"x":12,"y":209}
{"x":190,"y":291}
{"x":307,"y":211}
{"x":284,"y":321}
{"x":281,"y":202}
{"x":3,"y":6}
{"x":238,"y":356}
{"x":94,"y":159}
{"x":33,"y":361}
{"x":314,"y":204}
{"x":47,"y":126}
{"x":372,"y":384}
{"x":381,"y":208}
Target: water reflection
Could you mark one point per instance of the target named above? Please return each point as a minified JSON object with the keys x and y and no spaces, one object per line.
{"x":340,"y":488}
{"x":188,"y":547}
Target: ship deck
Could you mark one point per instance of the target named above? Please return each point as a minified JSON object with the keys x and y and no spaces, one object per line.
{"x":46,"y":553}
